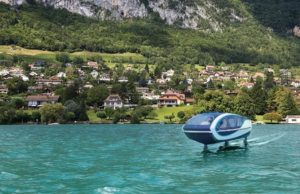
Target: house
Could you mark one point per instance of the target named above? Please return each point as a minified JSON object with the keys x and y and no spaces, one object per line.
{"x":189,"y":101}
{"x":94,"y":74}
{"x":285,"y":76}
{"x":113,"y":101}
{"x":258,"y":74}
{"x":123,"y":79}
{"x":189,"y":81}
{"x":209,"y":68}
{"x":68,"y":65}
{"x":104,"y":77}
{"x":295,"y":83}
{"x":161,"y":81}
{"x":171,"y":98}
{"x":38,"y":88}
{"x":53,"y":81}
{"x":270,"y":70}
{"x":4,"y":73}
{"x":70,"y":82}
{"x":38,"y":65}
{"x":92,"y":64}
{"x":142,"y":90}
{"x":149,"y":96}
{"x":247,"y":85}
{"x":61,"y":75}
{"x":292,"y":119}
{"x":33,"y":74}
{"x":88,"y":85}
{"x":35,"y":101}
{"x":243,"y":75}
{"x":167,"y":75}
{"x":24,"y":78}
{"x":3,"y":89}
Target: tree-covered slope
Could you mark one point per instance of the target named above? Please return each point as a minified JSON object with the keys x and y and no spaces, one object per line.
{"x":280,"y":15}
{"x":34,"y":26}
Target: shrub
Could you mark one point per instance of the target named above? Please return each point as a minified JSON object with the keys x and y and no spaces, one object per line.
{"x":101,"y":115}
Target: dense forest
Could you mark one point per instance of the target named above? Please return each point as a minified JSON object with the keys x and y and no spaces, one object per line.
{"x":38,"y":27}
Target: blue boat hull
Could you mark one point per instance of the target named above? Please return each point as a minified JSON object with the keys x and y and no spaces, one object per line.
{"x":208,"y":138}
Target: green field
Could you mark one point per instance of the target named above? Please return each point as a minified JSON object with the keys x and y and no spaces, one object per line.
{"x":33,"y":54}
{"x":164,"y":111}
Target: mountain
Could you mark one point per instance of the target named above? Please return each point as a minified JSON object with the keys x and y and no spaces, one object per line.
{"x":165,"y":31}
{"x":204,"y":14}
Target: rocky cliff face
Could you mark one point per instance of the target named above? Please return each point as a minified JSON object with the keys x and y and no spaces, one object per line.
{"x":188,"y":14}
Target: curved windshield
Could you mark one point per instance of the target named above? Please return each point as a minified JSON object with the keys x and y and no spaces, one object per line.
{"x":231,"y":122}
{"x":204,"y":120}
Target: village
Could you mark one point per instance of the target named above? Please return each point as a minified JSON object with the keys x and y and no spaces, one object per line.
{"x":129,"y":87}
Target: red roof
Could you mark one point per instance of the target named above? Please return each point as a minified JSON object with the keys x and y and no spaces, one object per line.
{"x":169,"y":94}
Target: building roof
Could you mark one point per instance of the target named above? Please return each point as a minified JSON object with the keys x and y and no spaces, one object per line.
{"x":293,"y":116}
{"x":43,"y":98}
{"x":170,"y":93}
{"x":113,"y":97}
{"x":189,"y":100}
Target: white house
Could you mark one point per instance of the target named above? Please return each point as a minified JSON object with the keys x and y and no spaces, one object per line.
{"x":94,"y":74}
{"x":61,"y":75}
{"x":113,"y":101}
{"x":123,"y":79}
{"x":167,"y":75}
{"x":105,"y":77}
{"x":4,"y":72}
{"x":293,"y":119}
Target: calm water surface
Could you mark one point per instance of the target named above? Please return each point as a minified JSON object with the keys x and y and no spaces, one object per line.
{"x":144,"y":159}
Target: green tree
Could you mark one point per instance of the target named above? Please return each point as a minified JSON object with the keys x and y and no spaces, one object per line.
{"x":69,"y":116}
{"x":229,"y":85}
{"x":63,"y":57}
{"x":18,"y":103}
{"x":116,"y":117}
{"x":78,"y":60}
{"x":36,"y":116}
{"x":144,"y":111}
{"x":97,"y":95}
{"x":135,"y":118}
{"x":109,"y":112}
{"x":215,"y":100}
{"x":51,"y":113}
{"x":272,"y":116}
{"x":259,"y":96}
{"x":287,"y":106}
{"x":210,"y":84}
{"x":269,"y":82}
{"x":170,"y":117}
{"x":72,"y":106}
{"x":101,"y":115}
{"x":16,"y":86}
{"x":244,"y":105}
{"x":181,"y":114}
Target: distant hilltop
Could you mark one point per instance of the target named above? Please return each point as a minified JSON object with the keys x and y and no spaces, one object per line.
{"x":210,"y":15}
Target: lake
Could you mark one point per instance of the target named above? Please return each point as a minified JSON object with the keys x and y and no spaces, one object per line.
{"x":144,"y":159}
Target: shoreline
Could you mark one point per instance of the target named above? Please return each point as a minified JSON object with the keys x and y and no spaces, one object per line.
{"x":146,"y":123}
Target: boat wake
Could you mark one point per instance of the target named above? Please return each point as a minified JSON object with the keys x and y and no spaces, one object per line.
{"x":263,"y":140}
{"x":275,"y":138}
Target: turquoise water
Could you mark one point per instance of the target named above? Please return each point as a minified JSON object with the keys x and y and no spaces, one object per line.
{"x":144,"y":159}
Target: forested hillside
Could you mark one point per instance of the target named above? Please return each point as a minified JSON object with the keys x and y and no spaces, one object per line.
{"x":280,"y":15}
{"x":251,"y":41}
